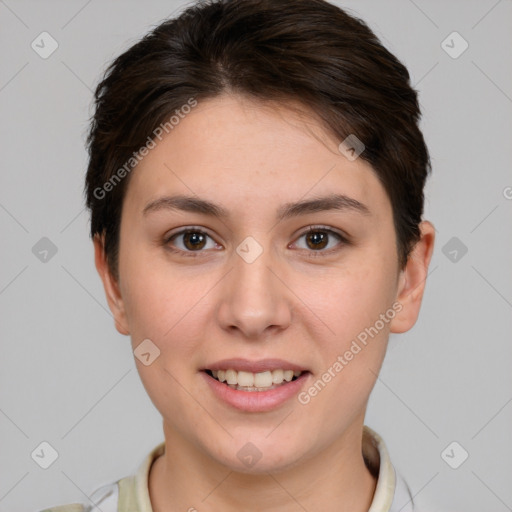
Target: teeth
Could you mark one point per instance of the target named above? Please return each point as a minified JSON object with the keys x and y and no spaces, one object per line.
{"x":231,"y":377}
{"x":263,"y":380}
{"x":277,"y":376}
{"x":267,"y":379}
{"x":245,"y":379}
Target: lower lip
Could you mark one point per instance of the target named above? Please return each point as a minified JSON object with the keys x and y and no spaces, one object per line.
{"x":256,"y":401}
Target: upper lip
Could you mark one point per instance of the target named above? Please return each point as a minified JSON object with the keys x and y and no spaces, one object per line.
{"x":258,"y":366}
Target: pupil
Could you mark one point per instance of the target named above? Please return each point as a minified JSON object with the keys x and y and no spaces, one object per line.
{"x":195,"y":239}
{"x":319,"y":239}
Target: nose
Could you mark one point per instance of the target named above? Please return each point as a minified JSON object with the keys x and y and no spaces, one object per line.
{"x":255,"y":300}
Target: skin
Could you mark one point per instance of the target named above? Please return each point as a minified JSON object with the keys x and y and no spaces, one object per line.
{"x":251,"y":158}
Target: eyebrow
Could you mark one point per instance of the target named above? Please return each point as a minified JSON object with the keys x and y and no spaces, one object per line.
{"x":338,"y":202}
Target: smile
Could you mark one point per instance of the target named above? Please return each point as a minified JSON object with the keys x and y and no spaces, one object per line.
{"x":254,"y":386}
{"x":249,"y":381}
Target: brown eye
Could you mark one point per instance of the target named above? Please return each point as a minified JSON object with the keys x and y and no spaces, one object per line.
{"x":317,"y":239}
{"x":194,"y":240}
{"x":190,"y":241}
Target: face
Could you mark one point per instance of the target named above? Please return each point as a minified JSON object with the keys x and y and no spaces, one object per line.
{"x":281,"y":260}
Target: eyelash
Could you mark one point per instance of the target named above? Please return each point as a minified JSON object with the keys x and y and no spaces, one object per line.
{"x":311,"y":229}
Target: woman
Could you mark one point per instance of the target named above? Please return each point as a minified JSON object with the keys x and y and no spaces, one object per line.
{"x":255,"y":184}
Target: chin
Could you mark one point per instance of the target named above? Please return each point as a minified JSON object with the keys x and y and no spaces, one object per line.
{"x":259,"y":456}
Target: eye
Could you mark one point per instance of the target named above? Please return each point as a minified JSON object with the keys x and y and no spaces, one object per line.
{"x":190,"y":240}
{"x":318,"y":238}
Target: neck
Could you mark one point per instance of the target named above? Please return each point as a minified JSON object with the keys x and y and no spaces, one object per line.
{"x":334,"y":479}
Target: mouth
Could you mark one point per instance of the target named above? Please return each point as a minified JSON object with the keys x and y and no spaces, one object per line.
{"x":255,"y":382}
{"x":255,"y":386}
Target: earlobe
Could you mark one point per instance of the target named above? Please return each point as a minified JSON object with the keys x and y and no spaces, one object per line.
{"x":412,"y":280}
{"x":110,"y":285}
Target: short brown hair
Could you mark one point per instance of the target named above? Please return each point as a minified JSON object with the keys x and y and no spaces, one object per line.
{"x":309,"y":51}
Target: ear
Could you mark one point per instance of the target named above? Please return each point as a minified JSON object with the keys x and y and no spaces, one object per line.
{"x":111,"y":286}
{"x":412,"y":279}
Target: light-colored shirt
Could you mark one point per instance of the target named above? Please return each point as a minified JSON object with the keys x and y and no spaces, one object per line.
{"x":131,"y":493}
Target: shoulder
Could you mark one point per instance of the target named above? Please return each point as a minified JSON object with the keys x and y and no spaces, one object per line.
{"x":105,"y":499}
{"x":73,"y":507}
{"x":402,"y":497}
{"x":128,"y":493}
{"x":392,"y":494}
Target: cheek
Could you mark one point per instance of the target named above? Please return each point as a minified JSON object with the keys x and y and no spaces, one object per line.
{"x":352,"y":356}
{"x":353,"y":309}
{"x":157,"y":297}
{"x":166,"y":310}
{"x":353,"y":299}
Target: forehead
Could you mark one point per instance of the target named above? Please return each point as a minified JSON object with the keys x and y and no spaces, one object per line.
{"x":234,"y":150}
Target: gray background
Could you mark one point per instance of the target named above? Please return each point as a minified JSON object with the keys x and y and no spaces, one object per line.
{"x":67,"y":377}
